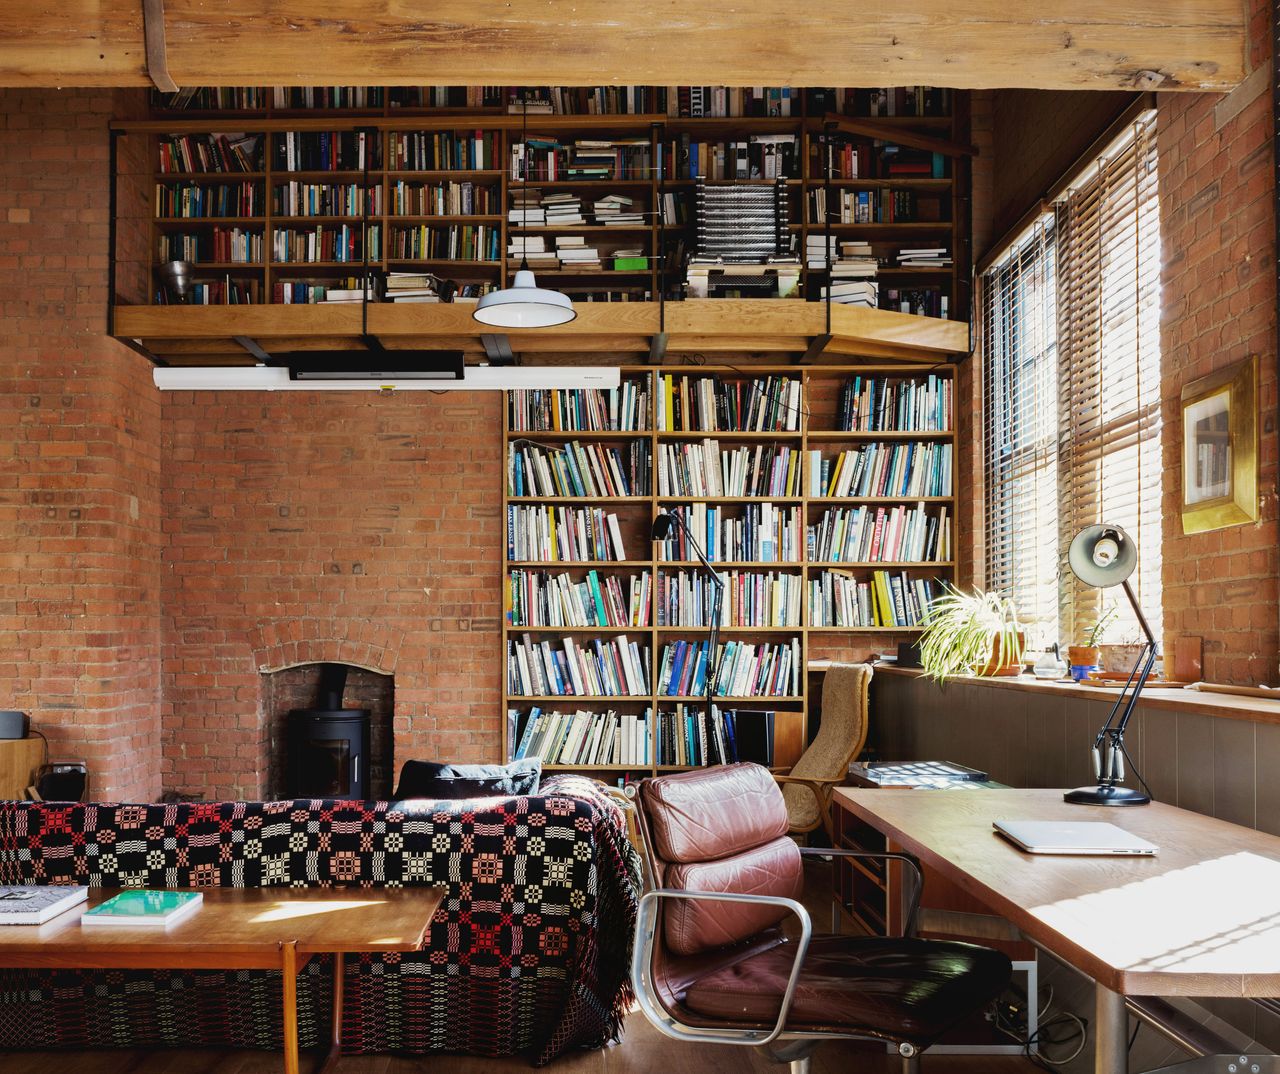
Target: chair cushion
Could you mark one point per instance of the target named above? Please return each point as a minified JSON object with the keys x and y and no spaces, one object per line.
{"x":896,"y":989}
{"x":428,"y":779}
{"x":713,"y":813}
{"x":695,"y":926}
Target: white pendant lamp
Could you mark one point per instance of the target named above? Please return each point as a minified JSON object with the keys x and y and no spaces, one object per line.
{"x":524,"y":304}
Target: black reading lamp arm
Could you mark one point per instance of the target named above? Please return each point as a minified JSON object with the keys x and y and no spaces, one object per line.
{"x":1128,"y":699}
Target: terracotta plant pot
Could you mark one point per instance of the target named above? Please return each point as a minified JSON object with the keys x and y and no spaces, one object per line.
{"x":1121,"y":658}
{"x":993,"y":665}
{"x":1083,"y":656}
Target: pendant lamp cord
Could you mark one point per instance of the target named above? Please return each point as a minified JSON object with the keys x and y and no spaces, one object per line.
{"x":524,"y":179}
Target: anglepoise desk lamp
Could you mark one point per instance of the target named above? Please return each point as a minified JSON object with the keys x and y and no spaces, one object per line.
{"x":662,"y":527}
{"x":1105,"y":556}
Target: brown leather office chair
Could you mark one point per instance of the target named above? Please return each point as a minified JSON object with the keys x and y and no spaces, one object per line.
{"x":712,"y":964}
{"x":808,"y":785}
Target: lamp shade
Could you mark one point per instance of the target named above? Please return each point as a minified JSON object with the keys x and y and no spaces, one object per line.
{"x":177,"y":277}
{"x":524,"y":305}
{"x":1102,"y":556}
{"x":662,"y":526}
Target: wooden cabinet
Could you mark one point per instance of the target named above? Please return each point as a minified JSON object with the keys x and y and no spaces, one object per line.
{"x":19,"y":759}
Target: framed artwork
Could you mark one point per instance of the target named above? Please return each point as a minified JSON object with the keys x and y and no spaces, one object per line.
{"x":1220,"y":449}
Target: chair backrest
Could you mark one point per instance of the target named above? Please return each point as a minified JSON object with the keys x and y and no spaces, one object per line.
{"x":721,"y":829}
{"x":841,"y":736}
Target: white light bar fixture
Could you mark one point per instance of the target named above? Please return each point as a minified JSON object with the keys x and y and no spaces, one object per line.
{"x":262,"y":378}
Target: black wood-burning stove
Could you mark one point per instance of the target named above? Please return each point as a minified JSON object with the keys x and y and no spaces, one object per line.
{"x":327,"y":747}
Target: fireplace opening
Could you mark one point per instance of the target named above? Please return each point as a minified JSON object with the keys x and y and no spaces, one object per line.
{"x":331,"y":732}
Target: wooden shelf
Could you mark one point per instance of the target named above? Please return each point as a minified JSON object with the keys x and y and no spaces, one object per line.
{"x":819,"y":434}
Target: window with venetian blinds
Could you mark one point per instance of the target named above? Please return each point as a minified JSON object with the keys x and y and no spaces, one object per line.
{"x":1071,"y":329}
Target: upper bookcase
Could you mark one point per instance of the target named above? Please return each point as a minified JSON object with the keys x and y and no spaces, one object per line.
{"x":297,"y":194}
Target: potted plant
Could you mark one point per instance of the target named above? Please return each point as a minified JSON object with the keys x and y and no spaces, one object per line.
{"x":1089,"y":655}
{"x":971,"y":633}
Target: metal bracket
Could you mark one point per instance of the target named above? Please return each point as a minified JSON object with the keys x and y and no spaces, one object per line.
{"x":157,"y":56}
{"x":252,"y":346}
{"x":816,"y":347}
{"x":497,"y":348}
{"x":657,"y":348}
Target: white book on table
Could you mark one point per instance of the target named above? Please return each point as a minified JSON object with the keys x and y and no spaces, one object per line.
{"x":35,"y":904}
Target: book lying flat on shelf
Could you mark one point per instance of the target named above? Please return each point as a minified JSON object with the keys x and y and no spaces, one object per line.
{"x":144,"y":909}
{"x":32,"y":905}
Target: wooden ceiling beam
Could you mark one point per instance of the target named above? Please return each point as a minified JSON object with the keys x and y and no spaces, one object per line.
{"x":976,"y":44}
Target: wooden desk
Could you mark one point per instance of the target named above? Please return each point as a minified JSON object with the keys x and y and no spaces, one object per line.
{"x":1199,"y":919}
{"x":237,"y":929}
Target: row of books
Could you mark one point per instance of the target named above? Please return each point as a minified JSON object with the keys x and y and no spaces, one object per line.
{"x":538,"y":598}
{"x":326,"y":151}
{"x":751,"y":599}
{"x":687,"y":739}
{"x":563,"y":534}
{"x":876,"y":403}
{"x":875,"y":160}
{"x":451,"y":198}
{"x":583,"y":737}
{"x":619,"y":409}
{"x":572,"y":252}
{"x":445,"y":150}
{"x":704,"y":469}
{"x":613,"y":667}
{"x":910,"y":469}
{"x":326,"y":242}
{"x":578,"y":469}
{"x":210,"y":153}
{"x":840,"y":599}
{"x":762,"y":533}
{"x":455,"y":242}
{"x":876,"y":207}
{"x":759,"y":156}
{"x":544,"y":158}
{"x":219,"y":244}
{"x":531,"y":207}
{"x":880,"y":535}
{"x":673,"y":101}
{"x":918,"y":301}
{"x":296,"y":198}
{"x":742,"y":669}
{"x":711,"y":404}
{"x":195,"y":200}
{"x":226,"y":292}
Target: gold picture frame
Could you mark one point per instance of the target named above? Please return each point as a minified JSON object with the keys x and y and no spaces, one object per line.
{"x":1220,"y":449}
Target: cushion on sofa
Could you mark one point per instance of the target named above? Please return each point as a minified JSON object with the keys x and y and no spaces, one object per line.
{"x":428,"y":779}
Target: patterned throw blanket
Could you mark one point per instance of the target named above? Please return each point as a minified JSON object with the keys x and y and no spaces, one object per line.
{"x":529,"y":952}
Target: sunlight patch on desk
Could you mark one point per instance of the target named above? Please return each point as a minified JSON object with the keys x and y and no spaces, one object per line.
{"x":1216,"y":916}
{"x":284,"y":911}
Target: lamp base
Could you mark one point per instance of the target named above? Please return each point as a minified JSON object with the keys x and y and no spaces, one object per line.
{"x":1103,"y":794}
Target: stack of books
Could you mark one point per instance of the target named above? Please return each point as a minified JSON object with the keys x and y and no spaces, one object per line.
{"x":348,"y":294}
{"x":925,"y":257}
{"x":617,"y":210}
{"x":563,"y":210}
{"x":532,"y":248}
{"x":411,"y":287}
{"x":526,"y":208}
{"x":853,"y":270}
{"x":574,"y":253}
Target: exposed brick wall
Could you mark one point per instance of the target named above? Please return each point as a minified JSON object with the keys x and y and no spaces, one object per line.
{"x":1217,"y":214}
{"x":80,"y":426}
{"x":355,"y":527}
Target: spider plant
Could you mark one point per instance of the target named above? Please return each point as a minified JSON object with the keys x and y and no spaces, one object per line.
{"x":971,"y":631}
{"x":1100,"y":627}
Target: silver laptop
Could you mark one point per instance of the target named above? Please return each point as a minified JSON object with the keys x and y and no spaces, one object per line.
{"x":1072,"y":837}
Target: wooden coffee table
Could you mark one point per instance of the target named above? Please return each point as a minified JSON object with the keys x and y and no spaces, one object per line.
{"x":240,"y":929}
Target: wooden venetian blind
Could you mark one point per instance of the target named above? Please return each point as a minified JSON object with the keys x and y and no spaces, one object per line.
{"x":1108,"y":228}
{"x":1071,"y":342}
{"x":1020,"y":347}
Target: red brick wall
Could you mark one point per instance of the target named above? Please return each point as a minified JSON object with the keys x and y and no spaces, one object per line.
{"x":79,"y":424}
{"x":357,"y":528}
{"x":1217,"y":211}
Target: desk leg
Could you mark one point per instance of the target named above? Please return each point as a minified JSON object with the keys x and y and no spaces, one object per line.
{"x":1111,"y":1032}
{"x":289,"y":985}
{"x":335,"y":1047}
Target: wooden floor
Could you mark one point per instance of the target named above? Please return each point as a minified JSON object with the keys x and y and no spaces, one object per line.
{"x":643,"y":1051}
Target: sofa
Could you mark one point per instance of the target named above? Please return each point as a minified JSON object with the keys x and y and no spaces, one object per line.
{"x":528,"y":954}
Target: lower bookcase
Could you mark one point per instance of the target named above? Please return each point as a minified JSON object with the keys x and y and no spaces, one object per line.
{"x":824,"y":498}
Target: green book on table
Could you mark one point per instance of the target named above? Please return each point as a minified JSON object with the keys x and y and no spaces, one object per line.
{"x":141,"y":909}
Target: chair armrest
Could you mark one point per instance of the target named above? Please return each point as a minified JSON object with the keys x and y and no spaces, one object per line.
{"x":917,"y":888}
{"x":781,"y":770}
{"x":642,"y":961}
{"x":832,"y":781}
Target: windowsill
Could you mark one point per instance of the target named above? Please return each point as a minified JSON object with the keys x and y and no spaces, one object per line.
{"x":1227,"y":706}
